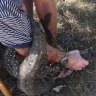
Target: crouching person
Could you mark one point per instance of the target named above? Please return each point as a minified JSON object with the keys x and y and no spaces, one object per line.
{"x":24,"y":39}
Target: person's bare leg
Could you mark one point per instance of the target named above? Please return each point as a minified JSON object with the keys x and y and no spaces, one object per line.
{"x":22,"y":51}
{"x":47,"y":14}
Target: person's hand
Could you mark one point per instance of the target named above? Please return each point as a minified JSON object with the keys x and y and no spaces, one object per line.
{"x":75,"y":61}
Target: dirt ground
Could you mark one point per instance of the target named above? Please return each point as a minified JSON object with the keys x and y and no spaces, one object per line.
{"x":76,"y":30}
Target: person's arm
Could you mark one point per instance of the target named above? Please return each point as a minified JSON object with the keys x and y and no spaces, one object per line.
{"x":27,"y":7}
{"x":47,"y":14}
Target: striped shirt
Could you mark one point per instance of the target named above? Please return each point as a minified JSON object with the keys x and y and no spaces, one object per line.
{"x":15,"y":25}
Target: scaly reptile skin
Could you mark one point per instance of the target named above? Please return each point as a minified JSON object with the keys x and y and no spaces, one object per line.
{"x":31,"y":80}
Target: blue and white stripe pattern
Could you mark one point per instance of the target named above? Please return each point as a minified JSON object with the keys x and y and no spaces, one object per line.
{"x":15,"y":25}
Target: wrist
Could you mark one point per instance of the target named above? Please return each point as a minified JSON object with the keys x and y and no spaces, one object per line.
{"x":64,"y":60}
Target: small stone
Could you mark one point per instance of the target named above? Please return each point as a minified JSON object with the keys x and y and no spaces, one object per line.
{"x":59,"y":88}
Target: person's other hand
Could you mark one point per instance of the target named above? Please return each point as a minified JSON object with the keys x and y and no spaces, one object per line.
{"x":75,"y":61}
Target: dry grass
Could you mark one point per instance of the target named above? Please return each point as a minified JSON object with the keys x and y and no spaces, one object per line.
{"x":77,"y":30}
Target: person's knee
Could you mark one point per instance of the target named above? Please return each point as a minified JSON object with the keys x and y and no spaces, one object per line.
{"x":23,"y":51}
